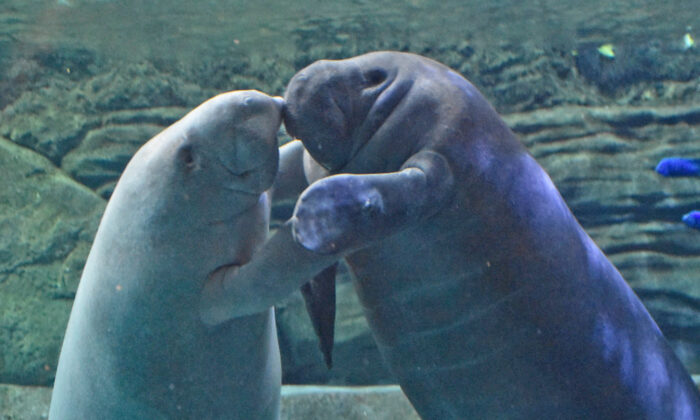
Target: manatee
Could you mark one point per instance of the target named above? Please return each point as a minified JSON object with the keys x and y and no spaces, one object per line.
{"x":189,"y":207}
{"x":484,"y":295}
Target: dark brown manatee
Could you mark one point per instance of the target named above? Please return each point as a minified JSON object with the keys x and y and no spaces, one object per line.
{"x":484,"y":294}
{"x":190,"y":201}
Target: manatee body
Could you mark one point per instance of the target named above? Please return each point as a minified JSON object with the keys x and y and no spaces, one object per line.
{"x":189,"y":206}
{"x":484,"y":294}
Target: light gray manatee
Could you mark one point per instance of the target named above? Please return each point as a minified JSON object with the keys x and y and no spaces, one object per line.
{"x":190,"y":206}
{"x":485,"y":296}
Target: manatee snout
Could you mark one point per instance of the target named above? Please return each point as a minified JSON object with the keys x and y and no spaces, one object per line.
{"x":226,"y":151}
{"x":335,"y":106}
{"x":251,"y":120}
{"x":319,"y":111}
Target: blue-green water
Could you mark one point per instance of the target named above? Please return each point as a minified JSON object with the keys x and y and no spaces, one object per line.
{"x":137,"y":29}
{"x":84,"y":83}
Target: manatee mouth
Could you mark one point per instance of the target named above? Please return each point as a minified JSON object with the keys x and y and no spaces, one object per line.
{"x":389,"y":95}
{"x":234,"y":216}
{"x":245,"y":181}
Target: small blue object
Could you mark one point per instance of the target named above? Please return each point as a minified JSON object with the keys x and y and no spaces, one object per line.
{"x":675,"y":166}
{"x":692,"y":219}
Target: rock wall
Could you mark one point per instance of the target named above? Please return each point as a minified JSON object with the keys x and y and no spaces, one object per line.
{"x":47,"y":222}
{"x":297,"y":402}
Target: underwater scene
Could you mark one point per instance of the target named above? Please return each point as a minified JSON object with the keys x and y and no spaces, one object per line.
{"x":349,"y":209}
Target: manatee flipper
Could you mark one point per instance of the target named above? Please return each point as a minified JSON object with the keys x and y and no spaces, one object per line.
{"x":319,"y":298}
{"x":342,"y":213}
{"x":275,"y":271}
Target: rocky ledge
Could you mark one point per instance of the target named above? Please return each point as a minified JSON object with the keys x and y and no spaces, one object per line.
{"x":298,"y":402}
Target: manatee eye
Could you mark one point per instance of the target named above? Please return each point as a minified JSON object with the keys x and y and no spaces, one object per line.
{"x":375,"y":77}
{"x":251,"y":105}
{"x":186,"y":156}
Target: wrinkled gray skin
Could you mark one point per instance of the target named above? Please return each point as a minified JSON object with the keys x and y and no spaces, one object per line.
{"x":190,"y":201}
{"x":484,"y":294}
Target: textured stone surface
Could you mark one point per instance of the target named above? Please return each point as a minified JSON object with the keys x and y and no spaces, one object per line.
{"x":322,"y":403}
{"x":24,"y":402}
{"x":47,"y":222}
{"x":633,"y":63}
{"x":50,"y":127}
{"x":298,"y":403}
{"x":101,"y":157}
{"x":55,"y":119}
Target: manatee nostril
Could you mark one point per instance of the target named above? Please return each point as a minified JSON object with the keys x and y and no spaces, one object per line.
{"x":375,"y":77}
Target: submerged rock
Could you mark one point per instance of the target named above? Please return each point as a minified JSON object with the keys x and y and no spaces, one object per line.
{"x":323,"y":402}
{"x":48,"y":222}
{"x":298,"y":402}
